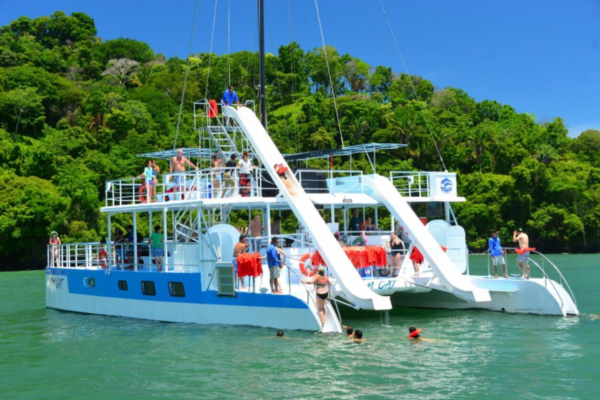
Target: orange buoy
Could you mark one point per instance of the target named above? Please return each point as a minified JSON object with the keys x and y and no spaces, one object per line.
{"x":103,"y":258}
{"x":307,"y":270}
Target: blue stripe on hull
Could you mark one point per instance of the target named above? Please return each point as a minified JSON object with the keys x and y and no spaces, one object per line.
{"x":107,"y":286}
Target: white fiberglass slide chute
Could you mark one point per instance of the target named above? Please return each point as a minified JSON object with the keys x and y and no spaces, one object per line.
{"x":353,"y":287}
{"x":439,"y":261}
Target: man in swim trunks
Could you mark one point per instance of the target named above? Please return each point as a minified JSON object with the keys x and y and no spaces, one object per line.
{"x":275,"y":265}
{"x":496,"y":252}
{"x":178,"y":164}
{"x":240,"y":248}
{"x":522,"y":259}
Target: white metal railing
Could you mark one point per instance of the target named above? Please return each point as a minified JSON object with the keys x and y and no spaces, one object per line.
{"x":121,"y":256}
{"x":411,"y":183}
{"x":206,"y":183}
{"x":336,"y":181}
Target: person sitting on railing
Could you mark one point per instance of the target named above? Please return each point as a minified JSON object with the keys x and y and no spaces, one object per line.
{"x":322,"y":284}
{"x":228,"y":181}
{"x":281,"y":170}
{"x":156,"y":241}
{"x":496,"y":252}
{"x":245,"y":166}
{"x":54,"y":243}
{"x":149,"y":181}
{"x":395,"y":247}
{"x":178,"y":164}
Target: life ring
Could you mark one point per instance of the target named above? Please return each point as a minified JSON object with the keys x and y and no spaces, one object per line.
{"x":103,"y":258}
{"x":415,"y":333}
{"x":385,"y":271}
{"x":141,"y":193}
{"x":523,"y":250}
{"x":306,"y":270}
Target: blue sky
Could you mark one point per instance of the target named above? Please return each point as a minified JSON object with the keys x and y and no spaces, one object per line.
{"x":540,"y":56}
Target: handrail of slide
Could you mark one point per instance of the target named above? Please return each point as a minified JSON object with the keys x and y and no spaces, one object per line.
{"x":438,"y":260}
{"x":353,"y":287}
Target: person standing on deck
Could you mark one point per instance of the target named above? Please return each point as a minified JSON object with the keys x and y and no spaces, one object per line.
{"x":228,"y":181}
{"x":355,"y":222}
{"x":148,"y":178}
{"x":523,"y":258}
{"x":240,"y":248}
{"x":255,"y":229}
{"x":230,"y":98}
{"x":156,"y":244}
{"x":178,"y":164}
{"x":245,"y":166}
{"x":274,"y":264}
{"x":54,"y":243}
{"x":155,"y":172}
{"x":496,"y":252}
{"x":276,"y":226}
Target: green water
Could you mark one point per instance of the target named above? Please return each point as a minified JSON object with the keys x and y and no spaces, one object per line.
{"x":55,"y":355}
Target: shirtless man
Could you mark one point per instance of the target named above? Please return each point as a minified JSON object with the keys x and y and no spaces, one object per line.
{"x":255,"y":229}
{"x":240,"y":248}
{"x":178,"y":165}
{"x":522,"y":259}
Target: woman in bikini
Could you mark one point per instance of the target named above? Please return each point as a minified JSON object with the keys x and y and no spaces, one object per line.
{"x":395,"y":246}
{"x":54,"y":242}
{"x":322,"y":284}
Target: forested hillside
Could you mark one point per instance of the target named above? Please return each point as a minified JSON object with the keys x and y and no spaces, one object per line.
{"x":75,"y":110}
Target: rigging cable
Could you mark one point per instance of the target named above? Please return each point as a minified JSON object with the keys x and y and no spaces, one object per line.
{"x":413,"y":86}
{"x":337,"y":115}
{"x":187,"y":70}
{"x":212,"y":36}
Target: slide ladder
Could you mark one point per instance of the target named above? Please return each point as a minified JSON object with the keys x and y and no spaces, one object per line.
{"x":353,"y":287}
{"x":456,"y":283}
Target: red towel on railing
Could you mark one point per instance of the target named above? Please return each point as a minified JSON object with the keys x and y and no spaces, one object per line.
{"x":360,"y":257}
{"x":249,"y":264}
{"x":416,"y":256}
{"x":212,"y":108}
{"x":257,"y":265}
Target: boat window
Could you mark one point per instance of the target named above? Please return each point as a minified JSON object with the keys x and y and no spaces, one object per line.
{"x":122,"y":285}
{"x":176,"y":289}
{"x":148,"y":288}
{"x":89,"y":282}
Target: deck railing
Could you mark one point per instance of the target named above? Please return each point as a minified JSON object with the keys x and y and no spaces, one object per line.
{"x":336,"y":181}
{"x":411,"y":183}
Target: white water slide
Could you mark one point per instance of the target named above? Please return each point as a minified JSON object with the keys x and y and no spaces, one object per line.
{"x":353,"y":287}
{"x":451,"y":278}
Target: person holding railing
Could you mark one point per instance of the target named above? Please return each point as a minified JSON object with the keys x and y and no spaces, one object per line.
{"x":322,"y":284}
{"x":54,"y":243}
{"x":523,"y":251}
{"x":496,"y":252}
{"x":229,"y":98}
{"x":148,"y":178}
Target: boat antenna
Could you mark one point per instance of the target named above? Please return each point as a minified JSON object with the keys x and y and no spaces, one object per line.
{"x":413,"y":87}
{"x":261,"y":51}
{"x":337,"y":115}
{"x":187,"y":70}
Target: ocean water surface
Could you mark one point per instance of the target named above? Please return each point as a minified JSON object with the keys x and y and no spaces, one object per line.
{"x":48,"y":354}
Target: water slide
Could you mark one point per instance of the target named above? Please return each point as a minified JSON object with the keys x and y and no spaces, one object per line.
{"x":440,"y":263}
{"x":353,"y":287}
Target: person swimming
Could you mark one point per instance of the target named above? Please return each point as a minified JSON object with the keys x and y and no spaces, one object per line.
{"x":414,"y":333}
{"x":280,"y":333}
{"x":357,"y":337}
{"x":349,"y":331}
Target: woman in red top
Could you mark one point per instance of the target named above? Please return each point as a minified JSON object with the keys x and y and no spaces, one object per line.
{"x":54,"y":242}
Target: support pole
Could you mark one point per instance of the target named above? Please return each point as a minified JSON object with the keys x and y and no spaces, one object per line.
{"x":109,"y":243}
{"x":135,"y":244}
{"x":165,"y":249}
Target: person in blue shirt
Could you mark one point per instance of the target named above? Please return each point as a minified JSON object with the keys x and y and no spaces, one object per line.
{"x":274,"y":264}
{"x":496,"y":253}
{"x":230,"y":98}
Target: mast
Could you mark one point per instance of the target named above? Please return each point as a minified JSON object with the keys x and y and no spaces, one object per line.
{"x":261,"y":39}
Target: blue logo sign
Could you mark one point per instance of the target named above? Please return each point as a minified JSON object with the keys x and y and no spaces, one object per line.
{"x":446,"y":185}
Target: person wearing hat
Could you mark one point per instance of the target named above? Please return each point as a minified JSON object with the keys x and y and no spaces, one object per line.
{"x":54,"y":242}
{"x":240,"y":248}
{"x":275,"y":264}
{"x":322,"y":284}
{"x":523,"y":258}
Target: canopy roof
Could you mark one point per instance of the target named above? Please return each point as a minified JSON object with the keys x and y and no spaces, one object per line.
{"x":346,"y":151}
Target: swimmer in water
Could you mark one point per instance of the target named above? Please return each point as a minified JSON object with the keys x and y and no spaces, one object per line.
{"x":349,"y":331}
{"x":280,"y":335}
{"x":414,"y":333}
{"x":357,"y":337}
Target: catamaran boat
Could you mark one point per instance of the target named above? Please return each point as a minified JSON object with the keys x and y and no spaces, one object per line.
{"x":197,"y":281}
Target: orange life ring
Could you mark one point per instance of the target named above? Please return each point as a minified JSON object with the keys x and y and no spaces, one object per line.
{"x":524,"y":249}
{"x":415,"y":333}
{"x":103,"y":258}
{"x":141,"y":192}
{"x":306,"y":271}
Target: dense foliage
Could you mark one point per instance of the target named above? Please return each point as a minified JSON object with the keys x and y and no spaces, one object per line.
{"x":74,"y":111}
